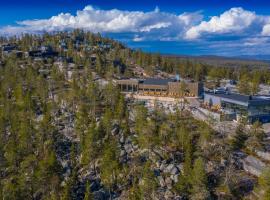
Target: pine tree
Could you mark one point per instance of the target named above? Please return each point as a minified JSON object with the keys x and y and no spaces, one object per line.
{"x":148,"y":182}
{"x":120,"y":108}
{"x":239,"y":138}
{"x":199,"y":190}
{"x":264,"y":184}
{"x":243,"y":85}
{"x":88,"y":195}
{"x":110,"y":167}
{"x":255,"y":136}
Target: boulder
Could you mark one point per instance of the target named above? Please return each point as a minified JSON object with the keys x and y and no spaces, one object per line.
{"x":168,"y":195}
{"x":169,"y":168}
{"x":168,"y":182}
{"x":161,"y":181}
{"x":131,"y":116}
{"x":122,"y":153}
{"x":122,"y":139}
{"x":180,"y":167}
{"x":128,"y":148}
{"x":115,"y":130}
{"x":253,"y":165}
{"x":162,"y":166}
{"x":158,"y":163}
{"x":223,"y":162}
{"x":210,"y":166}
{"x":175,"y":178}
{"x":263,"y":155}
{"x":174,"y":171}
{"x":135,"y":147}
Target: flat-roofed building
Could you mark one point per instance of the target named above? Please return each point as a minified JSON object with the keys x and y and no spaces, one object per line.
{"x":254,"y":108}
{"x":153,"y":86}
{"x":161,"y":87}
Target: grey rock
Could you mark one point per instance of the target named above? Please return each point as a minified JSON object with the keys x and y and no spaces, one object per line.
{"x":253,"y":165}
{"x":135,"y":147}
{"x":168,"y":182}
{"x":163,"y":166}
{"x":158,"y":163}
{"x":223,"y":162}
{"x":128,"y":148}
{"x":180,"y":167}
{"x":169,"y":168}
{"x":174,"y":178}
{"x":168,"y":195}
{"x":174,"y":170}
{"x":263,"y":155}
{"x":131,"y":116}
{"x":122,"y":153}
{"x":122,"y":139}
{"x":161,"y":181}
{"x":115,"y":130}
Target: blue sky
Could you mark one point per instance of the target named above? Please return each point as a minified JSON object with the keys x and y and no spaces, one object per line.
{"x":196,"y":27}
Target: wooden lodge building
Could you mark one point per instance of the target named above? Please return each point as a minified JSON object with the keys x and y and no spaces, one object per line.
{"x":162,"y":87}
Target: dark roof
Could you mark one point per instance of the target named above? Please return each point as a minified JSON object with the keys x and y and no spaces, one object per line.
{"x":233,"y":96}
{"x":154,"y":81}
{"x":241,"y":98}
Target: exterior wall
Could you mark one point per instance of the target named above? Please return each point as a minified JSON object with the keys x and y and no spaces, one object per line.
{"x":193,"y":88}
{"x":174,"y":88}
{"x":154,"y":90}
{"x":212,"y":100}
{"x":171,"y":89}
{"x":128,"y":85}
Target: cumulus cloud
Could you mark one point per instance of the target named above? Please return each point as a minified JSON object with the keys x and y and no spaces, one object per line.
{"x":234,"y":20}
{"x":111,"y":21}
{"x":266,"y":30}
{"x":240,"y":29}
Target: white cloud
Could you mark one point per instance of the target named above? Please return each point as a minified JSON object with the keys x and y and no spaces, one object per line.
{"x":232,"y":21}
{"x":155,"y":26}
{"x":138,"y":38}
{"x":266,"y":30}
{"x":110,"y":21}
{"x":251,"y":32}
{"x":256,"y":41}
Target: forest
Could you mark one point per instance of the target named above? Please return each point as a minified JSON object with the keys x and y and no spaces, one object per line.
{"x":80,"y":139}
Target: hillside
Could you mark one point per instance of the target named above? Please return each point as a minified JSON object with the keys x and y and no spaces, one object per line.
{"x":68,"y":133}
